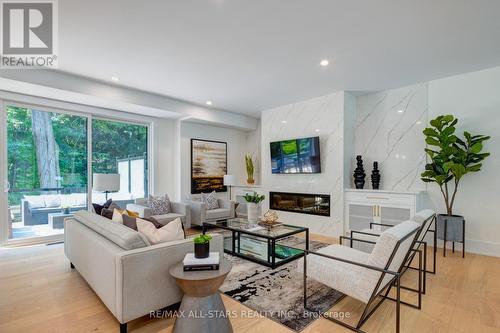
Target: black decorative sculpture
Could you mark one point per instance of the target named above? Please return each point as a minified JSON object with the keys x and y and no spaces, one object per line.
{"x":375,"y":176}
{"x":359,"y":173}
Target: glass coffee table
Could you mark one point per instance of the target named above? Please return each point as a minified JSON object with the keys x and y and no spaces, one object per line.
{"x":269,"y":246}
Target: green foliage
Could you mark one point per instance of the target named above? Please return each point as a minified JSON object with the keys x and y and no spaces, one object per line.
{"x":450,"y":157}
{"x":202,"y":239}
{"x":254,"y":198}
{"x":112,"y":140}
{"x":249,"y":165}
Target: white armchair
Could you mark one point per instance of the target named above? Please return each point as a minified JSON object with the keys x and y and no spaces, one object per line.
{"x":178,"y":209}
{"x":425,"y":218}
{"x":368,"y":277}
{"x":200,"y":214}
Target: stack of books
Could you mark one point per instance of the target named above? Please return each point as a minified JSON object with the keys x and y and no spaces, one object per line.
{"x":206,"y":264}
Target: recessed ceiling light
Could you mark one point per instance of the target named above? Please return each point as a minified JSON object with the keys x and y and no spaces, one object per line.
{"x":316,"y":130}
{"x":115,"y":79}
{"x":324,"y":62}
{"x":208,"y":102}
{"x":283,"y":121}
{"x":401,"y":111}
{"x":418,"y":122}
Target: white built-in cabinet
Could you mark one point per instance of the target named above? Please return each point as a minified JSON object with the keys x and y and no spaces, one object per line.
{"x":364,"y":206}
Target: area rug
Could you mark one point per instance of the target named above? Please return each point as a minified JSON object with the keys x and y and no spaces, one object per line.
{"x":278,"y":293}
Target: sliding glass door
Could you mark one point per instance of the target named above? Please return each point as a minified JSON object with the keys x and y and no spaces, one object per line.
{"x":47,"y":161}
{"x":46,"y":170}
{"x":121,"y":148}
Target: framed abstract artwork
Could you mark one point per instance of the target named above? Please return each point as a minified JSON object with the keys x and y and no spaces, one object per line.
{"x":208,"y":166}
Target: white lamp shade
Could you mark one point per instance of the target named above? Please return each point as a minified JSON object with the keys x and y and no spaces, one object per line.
{"x":106,"y":182}
{"x":229,"y":180}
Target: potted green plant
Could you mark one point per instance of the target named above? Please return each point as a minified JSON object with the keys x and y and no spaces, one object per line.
{"x":450,"y":159}
{"x":250,"y":169}
{"x":253,"y":205}
{"x":202,"y":246}
{"x":65,"y":210}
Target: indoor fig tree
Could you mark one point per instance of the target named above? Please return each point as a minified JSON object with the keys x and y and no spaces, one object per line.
{"x":451,"y":157}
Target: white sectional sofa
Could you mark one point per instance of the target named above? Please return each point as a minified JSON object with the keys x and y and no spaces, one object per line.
{"x":129,"y":275}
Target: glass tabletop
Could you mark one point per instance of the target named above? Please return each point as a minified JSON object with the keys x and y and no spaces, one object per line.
{"x":245,"y":226}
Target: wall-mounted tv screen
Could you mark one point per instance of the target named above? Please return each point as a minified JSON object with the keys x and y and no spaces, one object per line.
{"x":296,"y":156}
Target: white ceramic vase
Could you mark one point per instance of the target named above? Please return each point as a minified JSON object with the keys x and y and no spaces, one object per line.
{"x":253,"y":211}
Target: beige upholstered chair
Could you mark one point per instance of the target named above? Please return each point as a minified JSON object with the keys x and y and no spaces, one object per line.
{"x":178,"y":209}
{"x":427,"y":220}
{"x":200,"y":214}
{"x":361,"y":275}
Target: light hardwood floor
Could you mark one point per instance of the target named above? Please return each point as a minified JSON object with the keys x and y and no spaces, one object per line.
{"x":40,"y":293}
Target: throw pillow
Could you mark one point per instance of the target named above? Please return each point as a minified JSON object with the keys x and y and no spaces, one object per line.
{"x":98,"y":208}
{"x":107,"y":213}
{"x":160,"y":205}
{"x":132,"y":213}
{"x":169,"y":232}
{"x":210,"y":200}
{"x":129,"y":221}
{"x":117,"y":215}
{"x":154,"y":221}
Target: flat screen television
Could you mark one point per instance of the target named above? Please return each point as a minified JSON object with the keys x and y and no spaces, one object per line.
{"x":296,"y":156}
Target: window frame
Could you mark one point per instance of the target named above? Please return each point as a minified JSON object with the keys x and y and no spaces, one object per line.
{"x":90,"y":113}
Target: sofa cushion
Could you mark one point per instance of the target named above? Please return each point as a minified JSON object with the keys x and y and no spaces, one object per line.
{"x":67,"y":200}
{"x":117,"y":233}
{"x":339,"y":275}
{"x":52,"y":200}
{"x":35,"y":201}
{"x":219,"y":213}
{"x":170,"y":232}
{"x":80,"y":198}
{"x":165,"y":218}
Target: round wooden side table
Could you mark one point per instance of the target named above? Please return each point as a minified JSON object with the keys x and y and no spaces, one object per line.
{"x":202,"y":309}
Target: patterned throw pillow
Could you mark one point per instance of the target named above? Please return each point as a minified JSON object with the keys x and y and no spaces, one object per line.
{"x":160,"y":205}
{"x":210,"y":200}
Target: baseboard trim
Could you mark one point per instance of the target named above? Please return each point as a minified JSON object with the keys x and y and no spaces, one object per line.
{"x":485,"y":248}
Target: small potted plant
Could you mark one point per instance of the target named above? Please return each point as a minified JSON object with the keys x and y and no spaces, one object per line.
{"x":65,"y":210}
{"x":253,"y":205}
{"x":250,"y":169}
{"x":202,"y":246}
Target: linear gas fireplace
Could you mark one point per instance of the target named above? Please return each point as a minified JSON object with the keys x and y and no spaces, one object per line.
{"x":315,"y":204}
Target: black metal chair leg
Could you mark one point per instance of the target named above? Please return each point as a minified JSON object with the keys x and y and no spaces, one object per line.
{"x":123,"y":328}
{"x":305,"y":281}
{"x":398,"y":302}
{"x":425,"y":268}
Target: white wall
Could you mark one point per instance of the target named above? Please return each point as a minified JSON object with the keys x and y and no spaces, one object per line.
{"x":236,"y":149}
{"x":393,"y":138}
{"x":382,"y":132}
{"x":164,"y":152}
{"x":323,"y":117}
{"x":474,"y":99}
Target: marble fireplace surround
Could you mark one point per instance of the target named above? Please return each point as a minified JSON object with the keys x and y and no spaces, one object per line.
{"x":384,"y":126}
{"x":323,"y":117}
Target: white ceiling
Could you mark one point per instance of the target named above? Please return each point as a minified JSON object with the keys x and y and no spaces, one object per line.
{"x":251,"y":55}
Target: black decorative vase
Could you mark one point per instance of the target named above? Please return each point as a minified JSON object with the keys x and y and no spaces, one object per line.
{"x":359,"y":173}
{"x":375,"y":176}
{"x":201,"y":250}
